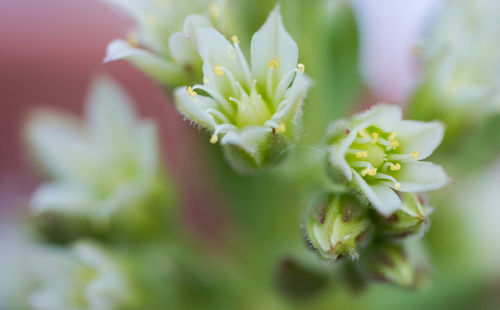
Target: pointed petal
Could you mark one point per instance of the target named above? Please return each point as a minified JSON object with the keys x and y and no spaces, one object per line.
{"x":383,"y":116}
{"x":153,"y":65}
{"x":295,"y":96}
{"x":337,"y":155}
{"x":273,"y":42}
{"x":194,"y":107}
{"x":183,"y":51}
{"x":423,"y":137}
{"x":191,"y":24}
{"x":383,"y":198}
{"x":421,"y":176}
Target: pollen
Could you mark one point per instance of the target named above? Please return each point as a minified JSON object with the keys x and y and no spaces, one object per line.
{"x":235,"y":40}
{"x":414,"y":154}
{"x":281,"y":129}
{"x":394,"y":143}
{"x":273,"y":63}
{"x":191,"y":91}
{"x":361,"y":154}
{"x":218,"y":70}
{"x":374,"y":137}
{"x":301,"y":68}
{"x":397,"y":186}
{"x":395,"y":167}
{"x":369,"y":171}
{"x":214,"y":139}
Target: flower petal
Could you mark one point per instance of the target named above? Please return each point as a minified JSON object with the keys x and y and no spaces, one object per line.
{"x":423,"y":137}
{"x":383,"y":198}
{"x":384,"y":116}
{"x":337,"y":155}
{"x":273,"y":42}
{"x":156,"y":67}
{"x":420,"y":176}
{"x":62,"y":197}
{"x":194,"y":107}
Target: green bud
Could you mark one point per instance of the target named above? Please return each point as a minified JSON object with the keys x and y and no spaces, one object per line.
{"x":335,"y":224}
{"x":411,"y":219}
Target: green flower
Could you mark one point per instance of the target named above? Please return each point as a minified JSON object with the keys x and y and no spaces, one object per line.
{"x":86,"y":277}
{"x":379,"y":154}
{"x":335,"y":224}
{"x":105,"y":166}
{"x":255,"y":111}
{"x":159,"y":45}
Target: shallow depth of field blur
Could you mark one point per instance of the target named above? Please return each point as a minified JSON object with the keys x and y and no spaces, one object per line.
{"x":240,"y":231}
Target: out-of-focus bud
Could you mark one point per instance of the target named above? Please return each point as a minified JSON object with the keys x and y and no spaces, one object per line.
{"x":411,"y":219}
{"x":255,"y":111}
{"x":380,"y":154}
{"x":335,"y":224}
{"x":392,"y":264}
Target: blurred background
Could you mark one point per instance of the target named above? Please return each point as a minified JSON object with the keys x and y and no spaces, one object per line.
{"x":51,"y":49}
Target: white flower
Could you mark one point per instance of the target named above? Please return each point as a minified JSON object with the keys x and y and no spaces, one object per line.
{"x":379,"y":153}
{"x":97,"y":167}
{"x":254,"y":110}
{"x":84,"y":278}
{"x":160,"y":46}
{"x":463,"y":58}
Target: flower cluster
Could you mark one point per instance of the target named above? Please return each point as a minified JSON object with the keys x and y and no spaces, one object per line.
{"x":254,"y":110}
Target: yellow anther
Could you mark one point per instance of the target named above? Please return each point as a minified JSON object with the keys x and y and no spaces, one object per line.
{"x":393,"y":136}
{"x":397,"y":186}
{"x":214,"y":139}
{"x":214,"y":10}
{"x":206,"y":81}
{"x":394,"y":143}
{"x":191,"y":91}
{"x":218,"y":70}
{"x":369,"y":171}
{"x":395,"y":167}
{"x":363,"y":134}
{"x":362,"y":154}
{"x":235,"y":40}
{"x":374,"y":137}
{"x":414,"y":154}
{"x":273,"y":63}
{"x":281,"y":128}
{"x":301,"y":68}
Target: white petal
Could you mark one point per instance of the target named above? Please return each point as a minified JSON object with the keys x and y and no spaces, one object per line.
{"x":420,"y":176}
{"x":183,"y":51}
{"x":423,"y":137}
{"x":153,"y":65}
{"x":194,"y":107}
{"x":383,"y":116}
{"x":62,"y":197}
{"x":295,"y":96}
{"x":383,"y":198}
{"x":215,"y":51}
{"x":273,"y":42}
{"x":192,"y":23}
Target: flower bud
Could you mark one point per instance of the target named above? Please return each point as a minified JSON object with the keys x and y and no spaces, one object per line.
{"x":255,"y":110}
{"x":411,"y":219}
{"x":380,"y":154}
{"x":335,"y":224}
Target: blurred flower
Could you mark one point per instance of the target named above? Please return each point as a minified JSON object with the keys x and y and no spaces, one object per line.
{"x":462,"y":62}
{"x":379,"y":154}
{"x":256,"y":110}
{"x":85,"y":278}
{"x":159,"y":46}
{"x":335,"y":224}
{"x":411,"y":219}
{"x":99,"y":167}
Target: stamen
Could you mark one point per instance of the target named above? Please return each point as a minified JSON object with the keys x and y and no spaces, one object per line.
{"x":281,"y":129}
{"x":369,"y":171}
{"x":235,"y":40}
{"x":393,"y":136}
{"x":395,"y":167}
{"x":414,"y":154}
{"x":273,"y":63}
{"x":206,"y":81}
{"x":374,"y":137}
{"x":397,"y":186}
{"x":231,"y":52}
{"x":301,"y":68}
{"x":214,"y":139}
{"x":225,"y":105}
{"x":394,"y":143}
{"x":191,"y":91}
{"x":218,"y":70}
{"x":361,"y":154}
